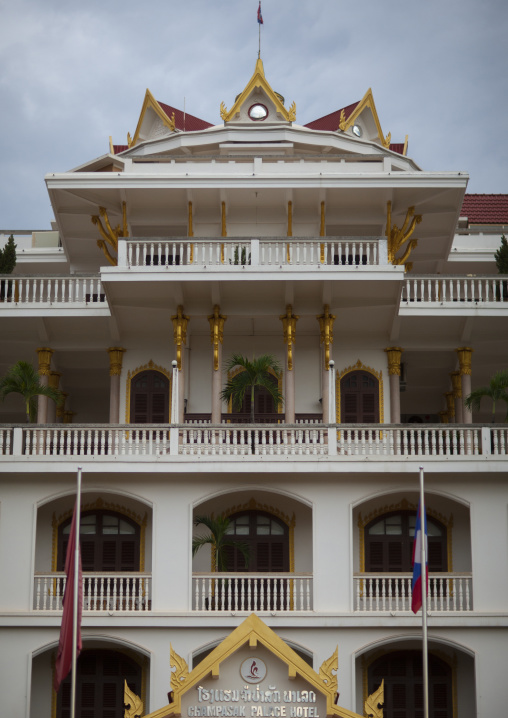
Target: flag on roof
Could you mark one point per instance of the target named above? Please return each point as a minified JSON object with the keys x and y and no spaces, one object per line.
{"x":416,"y":586}
{"x":260,"y":17}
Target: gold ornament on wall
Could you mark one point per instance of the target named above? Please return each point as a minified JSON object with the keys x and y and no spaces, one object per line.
{"x":133,"y":703}
{"x":216,"y":333}
{"x":181,"y":672}
{"x":374,"y":703}
{"x":180,"y":322}
{"x":289,"y":328}
{"x":328,"y":670}
{"x":326,"y":321}
{"x":398,"y":237}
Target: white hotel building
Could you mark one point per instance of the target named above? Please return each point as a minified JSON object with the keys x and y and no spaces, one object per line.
{"x":258,"y":236}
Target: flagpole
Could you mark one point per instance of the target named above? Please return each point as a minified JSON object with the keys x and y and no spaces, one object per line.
{"x":75,"y":597}
{"x":425,"y":659}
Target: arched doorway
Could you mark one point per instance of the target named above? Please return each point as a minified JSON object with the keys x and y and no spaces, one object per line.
{"x":100,"y":680}
{"x":359,"y":398}
{"x":403,"y":688}
{"x":149,"y":403}
{"x":389,"y":543}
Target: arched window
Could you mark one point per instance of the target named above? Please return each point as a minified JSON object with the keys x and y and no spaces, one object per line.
{"x":109,"y":542}
{"x":149,"y":398}
{"x":359,"y":398}
{"x":403,"y":689}
{"x":389,"y":543}
{"x":267,"y":538}
{"x":100,"y":680}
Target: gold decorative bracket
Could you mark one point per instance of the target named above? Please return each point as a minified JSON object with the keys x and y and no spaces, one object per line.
{"x":115,"y":360}
{"x":326,"y":321}
{"x":181,"y":672}
{"x":180,"y":322}
{"x":109,"y":234}
{"x":289,"y":328}
{"x":328,"y":671}
{"x":398,"y":237}
{"x":394,"y":355}
{"x":216,"y":333}
{"x":133,"y":703}
{"x":374,"y":703}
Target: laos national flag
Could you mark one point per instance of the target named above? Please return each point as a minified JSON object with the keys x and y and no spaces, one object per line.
{"x":260,"y":17}
{"x":416,"y":588}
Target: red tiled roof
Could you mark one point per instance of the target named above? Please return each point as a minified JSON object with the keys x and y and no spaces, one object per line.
{"x":397,"y":147}
{"x":192,"y":124}
{"x":119,"y":148}
{"x":331,"y":122}
{"x":485,"y":208}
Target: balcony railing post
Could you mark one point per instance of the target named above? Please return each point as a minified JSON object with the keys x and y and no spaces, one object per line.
{"x":486,"y":440}
{"x":122,"y":253}
{"x":383,"y":251}
{"x":254,"y":252}
{"x":17,"y":441}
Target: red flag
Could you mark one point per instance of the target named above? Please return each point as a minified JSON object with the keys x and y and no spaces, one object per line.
{"x":64,"y":656}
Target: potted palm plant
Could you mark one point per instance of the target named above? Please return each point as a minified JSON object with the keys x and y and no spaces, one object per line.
{"x":220,"y":541}
{"x":497,"y":390}
{"x":251,"y":375}
{"x":22,"y":378}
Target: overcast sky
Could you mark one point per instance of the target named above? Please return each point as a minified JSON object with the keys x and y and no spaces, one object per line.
{"x":72,"y":73}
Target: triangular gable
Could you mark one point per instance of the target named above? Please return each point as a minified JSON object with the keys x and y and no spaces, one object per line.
{"x":253,"y":634}
{"x":259,"y":83}
{"x":170,"y":118}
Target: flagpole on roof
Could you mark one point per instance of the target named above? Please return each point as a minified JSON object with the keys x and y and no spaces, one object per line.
{"x":425,"y":656}
{"x":75,"y":597}
{"x":260,"y":22}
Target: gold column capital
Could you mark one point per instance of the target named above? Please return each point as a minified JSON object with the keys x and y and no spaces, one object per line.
{"x":115,"y":360}
{"x":394,"y":355}
{"x":216,"y":333}
{"x":180,"y":322}
{"x":443,"y":415}
{"x":54,"y":379}
{"x":450,"y":403}
{"x":326,"y":321}
{"x":465,"y":358}
{"x":224,"y":232}
{"x":289,"y":328}
{"x":190,"y":229}
{"x":44,"y":355}
{"x":456,"y":384}
{"x":290,"y":219}
{"x":68,"y":415}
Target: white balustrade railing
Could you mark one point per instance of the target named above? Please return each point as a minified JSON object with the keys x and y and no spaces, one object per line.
{"x":438,"y":441}
{"x":454,"y":288}
{"x":245,"y":440}
{"x":252,"y":591}
{"x":23,"y":291}
{"x":6,"y":441}
{"x":392,"y":592}
{"x":342,"y":442}
{"x":240,"y":252}
{"x":101,"y":591}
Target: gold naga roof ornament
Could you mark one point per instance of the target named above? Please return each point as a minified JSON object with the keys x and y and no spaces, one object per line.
{"x":398,"y":237}
{"x":133,"y":703}
{"x":374,"y":703}
{"x":110,"y":234}
{"x":259,"y":82}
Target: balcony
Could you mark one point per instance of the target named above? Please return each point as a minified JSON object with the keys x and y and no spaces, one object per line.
{"x":388,"y":592}
{"x":453,"y":294}
{"x":219,"y":592}
{"x":101,"y":591}
{"x":241,"y":254}
{"x":37,"y":295}
{"x":337,"y":442}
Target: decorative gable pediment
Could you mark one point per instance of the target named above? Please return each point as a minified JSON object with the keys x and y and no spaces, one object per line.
{"x":253,"y":673}
{"x":258,"y":103}
{"x":363,"y":122}
{"x":153,"y":122}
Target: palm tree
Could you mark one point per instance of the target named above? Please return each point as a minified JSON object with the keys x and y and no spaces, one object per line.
{"x":22,"y":378}
{"x":219,"y":540}
{"x":496,"y":390}
{"x":252,"y":374}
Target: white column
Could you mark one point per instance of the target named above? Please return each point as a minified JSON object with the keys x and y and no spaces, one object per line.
{"x":44,"y":355}
{"x":115,"y":370}
{"x":394,"y":354}
{"x":465,"y":358}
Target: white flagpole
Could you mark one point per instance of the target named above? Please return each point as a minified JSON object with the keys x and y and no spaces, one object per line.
{"x":425,"y":658}
{"x":75,"y":599}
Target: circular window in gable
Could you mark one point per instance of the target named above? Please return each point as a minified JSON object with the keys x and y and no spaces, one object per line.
{"x":258,"y":112}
